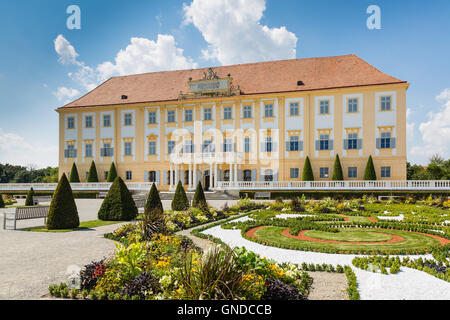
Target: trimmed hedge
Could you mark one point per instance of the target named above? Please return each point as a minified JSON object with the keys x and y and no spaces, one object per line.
{"x":63,"y":213}
{"x":112,"y":173}
{"x":153,"y":201}
{"x":199,"y":200}
{"x":92,"y":175}
{"x":369,"y":173}
{"x":74,"y":177}
{"x":2,"y":203}
{"x":118,"y":204}
{"x":308,"y":174}
{"x":180,"y":201}
{"x":337,"y":170}
{"x":29,"y":200}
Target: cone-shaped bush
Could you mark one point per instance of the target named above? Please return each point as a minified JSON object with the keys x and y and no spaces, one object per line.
{"x":337,"y":170}
{"x":180,"y":201}
{"x":74,"y":177}
{"x":153,"y":201}
{"x":2,"y":203}
{"x":92,"y":175}
{"x":118,"y":204}
{"x":29,"y":199}
{"x":112,"y":174}
{"x":369,"y":173}
{"x":199,"y":200}
{"x":307,"y":171}
{"x":63,"y":213}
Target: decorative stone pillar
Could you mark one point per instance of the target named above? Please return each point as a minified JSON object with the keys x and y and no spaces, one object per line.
{"x":194,"y":180}
{"x":215,"y":175}
{"x":211,"y":175}
{"x":191,"y":183}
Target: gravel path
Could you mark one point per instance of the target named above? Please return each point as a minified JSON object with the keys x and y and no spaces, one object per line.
{"x":407,"y":284}
{"x":328,"y":286}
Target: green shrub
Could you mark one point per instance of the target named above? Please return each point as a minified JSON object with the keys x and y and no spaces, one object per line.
{"x":118,"y":204}
{"x":153,"y":218}
{"x":63,"y":213}
{"x":369,"y":173}
{"x":112,"y":174}
{"x":29,"y":199}
{"x":92,"y":175}
{"x":337,"y":170}
{"x":2,"y":203}
{"x":74,"y":177}
{"x":180,"y":201}
{"x":199,"y":200}
{"x":308,"y":174}
{"x":153,"y":200}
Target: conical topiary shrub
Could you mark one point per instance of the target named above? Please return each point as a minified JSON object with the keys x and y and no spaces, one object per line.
{"x":118,"y":204}
{"x":337,"y":170}
{"x":92,"y":175}
{"x":2,"y":203}
{"x":369,"y":173}
{"x":112,"y":174}
{"x":199,"y":200}
{"x":29,"y":200}
{"x":153,"y":221}
{"x":308,"y":174}
{"x":180,"y":201}
{"x":153,"y":201}
{"x":74,"y":177}
{"x":63,"y":213}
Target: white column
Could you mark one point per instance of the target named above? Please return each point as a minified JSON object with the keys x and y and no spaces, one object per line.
{"x":210,"y":175}
{"x":231,"y":173}
{"x":215,"y":175}
{"x":177,"y":177}
{"x":194,"y":179}
{"x":235,"y":173}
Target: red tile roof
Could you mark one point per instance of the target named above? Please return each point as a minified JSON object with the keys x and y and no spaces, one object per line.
{"x":253,"y":78}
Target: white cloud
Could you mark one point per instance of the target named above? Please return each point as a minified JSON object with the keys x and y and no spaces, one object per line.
{"x":63,"y":93}
{"x":436,"y":131}
{"x":140,"y":56}
{"x":410,"y":126}
{"x":14,"y":149}
{"x":235,"y":34}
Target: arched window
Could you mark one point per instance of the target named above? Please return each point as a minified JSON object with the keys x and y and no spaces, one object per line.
{"x":247,"y":175}
{"x":226,"y":175}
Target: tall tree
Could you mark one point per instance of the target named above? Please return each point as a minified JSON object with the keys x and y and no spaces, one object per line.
{"x":118,"y":204}
{"x":74,"y":177}
{"x":337,"y":170}
{"x":29,"y":200}
{"x":63,"y":213}
{"x":199,"y":200}
{"x":308,"y":174}
{"x":112,"y":174}
{"x":180,"y":201}
{"x":369,"y":173}
{"x":92,"y":175}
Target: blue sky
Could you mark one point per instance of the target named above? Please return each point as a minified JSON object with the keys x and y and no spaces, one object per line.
{"x":43,"y":64}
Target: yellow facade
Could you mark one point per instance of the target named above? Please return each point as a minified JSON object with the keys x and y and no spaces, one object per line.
{"x":131,"y":141}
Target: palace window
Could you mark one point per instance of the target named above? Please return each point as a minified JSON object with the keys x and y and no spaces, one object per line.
{"x":295,"y":173}
{"x":227,"y":113}
{"x":71,"y":123}
{"x":247,"y":144}
{"x":324,"y":142}
{"x":170,"y":116}
{"x":268,"y":144}
{"x":294,"y":109}
{"x":88,"y":150}
{"x":106,"y":174}
{"x":188,"y":146}
{"x":152,"y":176}
{"x":106,"y":151}
{"x":385,"y":172}
{"x":208,"y":146}
{"x":226,"y":175}
{"x":170,"y":146}
{"x":127,"y":148}
{"x":324,"y":107}
{"x":70,"y":152}
{"x":129,"y":175}
{"x":88,"y":122}
{"x":324,"y":173}
{"x":188,"y":115}
{"x":152,"y":148}
{"x":247,"y":175}
{"x":247,"y":112}
{"x":268,"y":175}
{"x":385,"y":141}
{"x":268,"y":110}
{"x":152,"y":117}
{"x":128,"y":119}
{"x":352,"y":142}
{"x":207,"y":114}
{"x":227,"y":145}
{"x":352,"y":105}
{"x":107,"y":120}
{"x":294,"y":143}
{"x":385,"y":103}
{"x":352,"y":172}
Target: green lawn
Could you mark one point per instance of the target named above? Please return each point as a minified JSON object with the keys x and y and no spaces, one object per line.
{"x":412,"y":241}
{"x":83,"y":226}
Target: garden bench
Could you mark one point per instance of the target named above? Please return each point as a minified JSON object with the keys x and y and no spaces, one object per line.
{"x":101,"y":195}
{"x":25,"y":213}
{"x":262,"y":195}
{"x":40,"y":199}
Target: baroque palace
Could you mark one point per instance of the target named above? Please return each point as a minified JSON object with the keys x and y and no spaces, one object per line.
{"x":247,"y":122}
